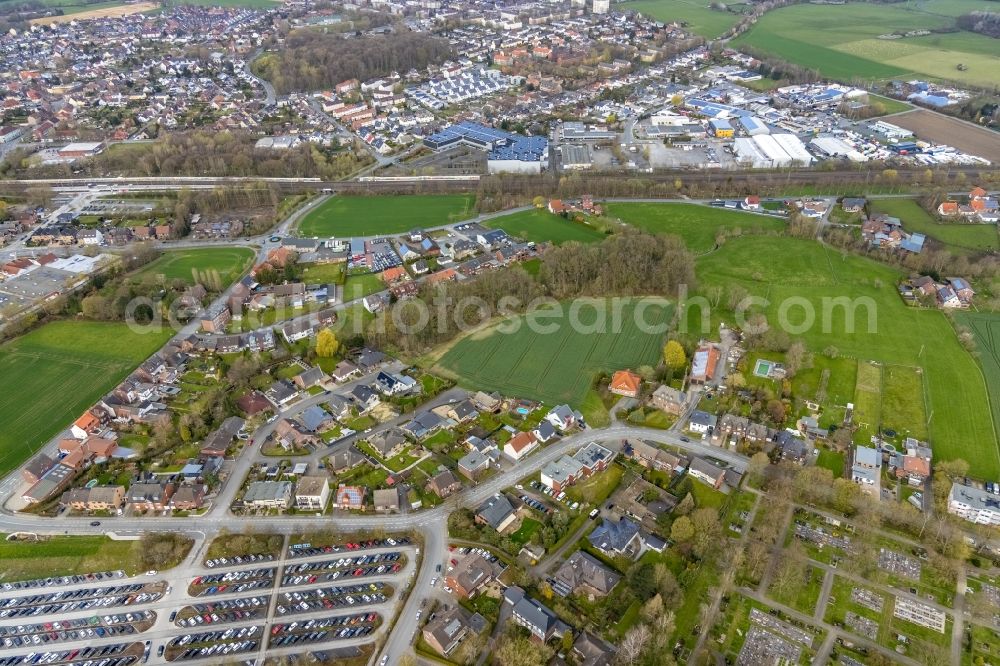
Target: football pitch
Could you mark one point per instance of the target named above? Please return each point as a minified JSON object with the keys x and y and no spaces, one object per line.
{"x":559,"y":366}
{"x":347,"y":216}
{"x":54,"y":373}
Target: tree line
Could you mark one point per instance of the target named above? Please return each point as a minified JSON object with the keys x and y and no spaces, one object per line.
{"x":985,"y":23}
{"x":628,"y":263}
{"x":314,"y":60}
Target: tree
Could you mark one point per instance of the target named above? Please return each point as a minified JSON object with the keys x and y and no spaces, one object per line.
{"x":755,"y":470}
{"x":326,"y":343}
{"x":705,"y":522}
{"x":539,"y":201}
{"x":682,"y":530}
{"x":777,"y":411}
{"x":795,"y":358}
{"x":674,"y":356}
{"x":686,"y":506}
{"x":521,"y":651}
{"x":632,"y":645}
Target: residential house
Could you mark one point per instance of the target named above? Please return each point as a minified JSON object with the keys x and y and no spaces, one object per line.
{"x":853,"y":204}
{"x":702,"y":422}
{"x":316,"y":419}
{"x":544,"y":431}
{"x":497,"y":512}
{"x":583,"y":573}
{"x":541,"y":622}
{"x":473,"y":464}
{"x":793,"y":449}
{"x":189,"y":497}
{"x":668,"y":399}
{"x":97,"y":498}
{"x":216,"y":319}
{"x":588,"y":650}
{"x":471,"y":574}
{"x":36,"y":468}
{"x":312,"y":493}
{"x":567,"y":470}
{"x":350,"y":498}
{"x":486,"y":402}
{"x":88,"y":424}
{"x":344,"y":371}
{"x":338,"y":407}
{"x":310,"y":377}
{"x":293,"y":436}
{"x":866,"y":469}
{"x":218,"y":441}
{"x":150,"y":496}
{"x":626,"y":383}
{"x":562,"y":417}
{"x":268,"y":495}
{"x":617,"y":538}
{"x":369,"y":360}
{"x":974,"y":505}
{"x":282,"y":393}
{"x":49,"y":484}
{"x":444,"y":484}
{"x":707,"y":472}
{"x":520,"y":445}
{"x":388,"y":443}
{"x":912,"y":469}
{"x":653,"y":457}
{"x":364,"y":398}
{"x":343,"y":460}
{"x":450,"y":626}
{"x":386,"y":500}
{"x":424,"y":425}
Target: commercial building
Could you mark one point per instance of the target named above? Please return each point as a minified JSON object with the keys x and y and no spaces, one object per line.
{"x":506,"y":152}
{"x":312,"y":493}
{"x":268,"y":495}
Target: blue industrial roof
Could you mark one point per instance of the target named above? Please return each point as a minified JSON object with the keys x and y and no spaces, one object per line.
{"x":501,"y":145}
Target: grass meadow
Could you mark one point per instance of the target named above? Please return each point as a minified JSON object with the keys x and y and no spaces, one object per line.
{"x":58,"y":371}
{"x":229,"y":262}
{"x":986,"y":328}
{"x":701,"y":20}
{"x":841,"y":41}
{"x":557,"y":367}
{"x":346,"y":216}
{"x":698,"y":225}
{"x":948,"y":388}
{"x":542,"y":226}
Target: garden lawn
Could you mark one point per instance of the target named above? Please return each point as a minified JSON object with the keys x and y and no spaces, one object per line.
{"x":985,"y":326}
{"x":323,"y":273}
{"x":697,"y":224}
{"x":556,"y":367}
{"x":346,"y":216}
{"x":841,"y":41}
{"x":523,"y":534}
{"x":361,"y":285}
{"x":56,"y":372}
{"x":884,"y":330}
{"x":541,"y":226}
{"x":228,"y":262}
{"x":700,"y":20}
{"x":832,"y":461}
{"x":597,"y":488}
{"x":956,"y":236}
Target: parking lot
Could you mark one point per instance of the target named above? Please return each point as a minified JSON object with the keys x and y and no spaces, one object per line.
{"x":224,"y":610}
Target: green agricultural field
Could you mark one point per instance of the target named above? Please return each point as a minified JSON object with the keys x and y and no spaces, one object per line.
{"x":57,"y":372}
{"x":542,"y":226}
{"x":841,"y":41}
{"x":986,"y":327}
{"x":228,"y":262}
{"x":345,"y":216}
{"x":559,"y":366}
{"x":903,"y":401}
{"x":701,"y":20}
{"x":252,"y":4}
{"x":890,"y":105}
{"x":884,"y":330}
{"x":958,"y":237}
{"x":698,"y":225}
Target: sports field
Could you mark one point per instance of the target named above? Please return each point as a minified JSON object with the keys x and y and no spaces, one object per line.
{"x":781,"y":269}
{"x":842,"y":42}
{"x":346,"y":216}
{"x":542,"y":226}
{"x":228,"y":262}
{"x":56,"y":372}
{"x":958,"y":237}
{"x":701,"y":20}
{"x":698,"y":225}
{"x":557,"y":367}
